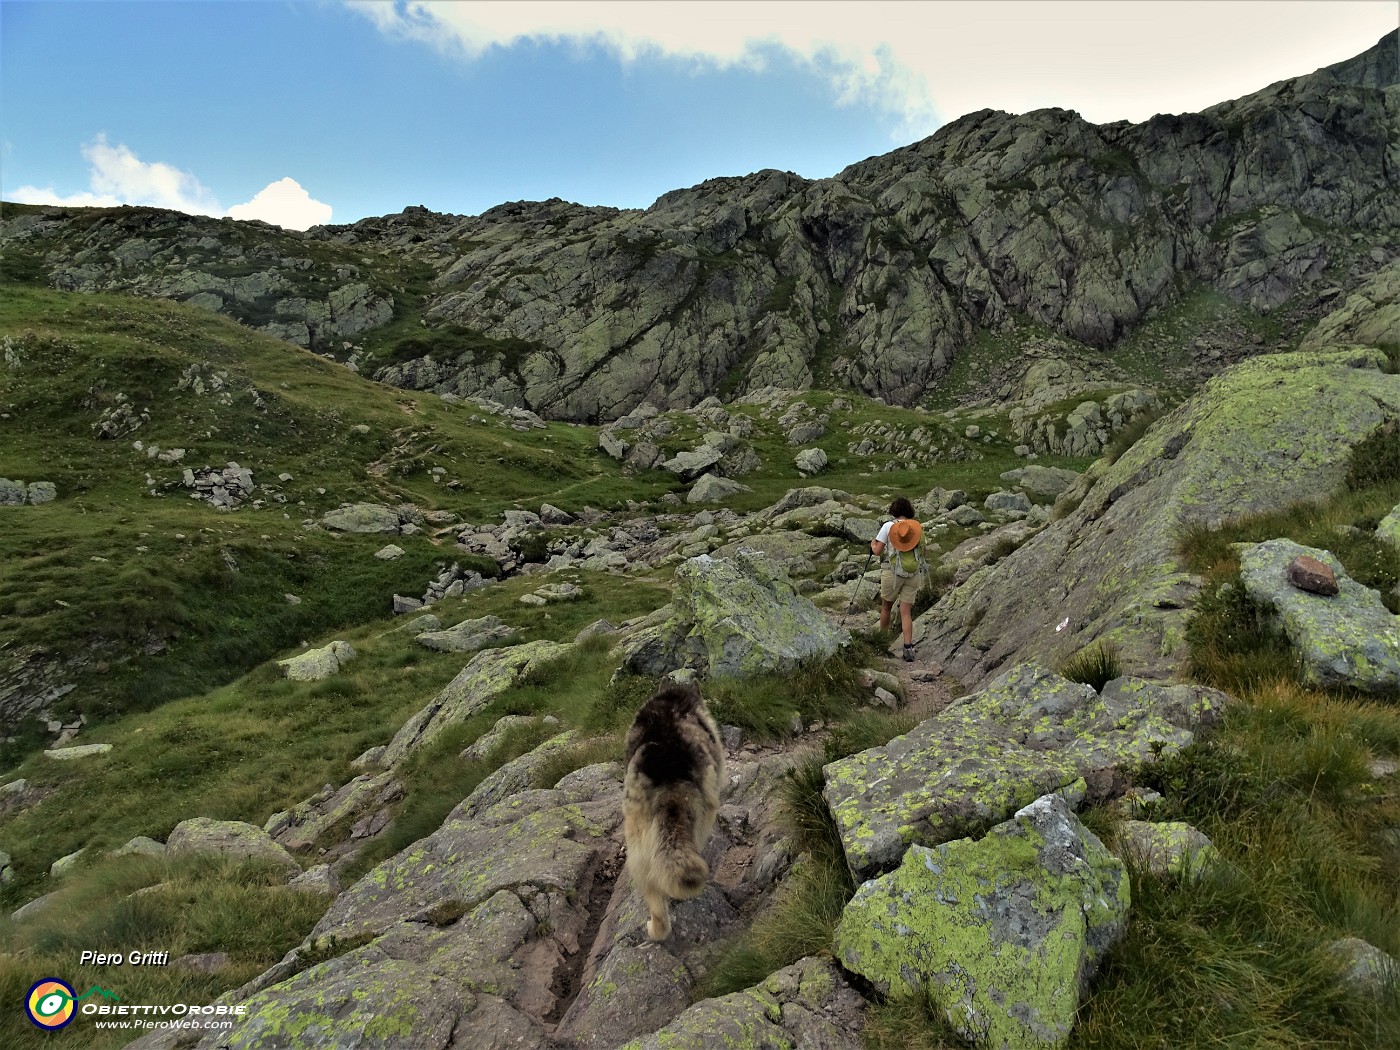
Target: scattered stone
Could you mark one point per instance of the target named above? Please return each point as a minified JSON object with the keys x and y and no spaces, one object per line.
{"x":64,"y":754}
{"x":15,"y":787}
{"x":690,"y":465}
{"x":362,"y":517}
{"x":319,"y":879}
{"x":1309,"y":574}
{"x":63,"y":864}
{"x":1003,"y":933}
{"x":33,"y":908}
{"x":711,"y":488}
{"x":552,"y":515}
{"x":811,"y":461}
{"x":229,"y":838}
{"x":7,"y":869}
{"x":1168,"y":848}
{"x":291,"y":599}
{"x":733,"y":618}
{"x":1007,"y":503}
{"x":1367,"y":967}
{"x":316,"y":664}
{"x":467,"y":636}
{"x":406,"y":605}
{"x":594,"y":630}
{"x":389,"y":553}
{"x":370,"y":759}
{"x":141,"y":846}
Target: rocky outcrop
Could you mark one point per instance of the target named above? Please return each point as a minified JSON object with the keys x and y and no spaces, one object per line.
{"x":467,"y":636}
{"x":1028,"y":733}
{"x":875,"y":279}
{"x":1347,"y":640}
{"x":734,"y":617}
{"x":1267,"y":433}
{"x":1003,"y":933}
{"x":229,"y":838}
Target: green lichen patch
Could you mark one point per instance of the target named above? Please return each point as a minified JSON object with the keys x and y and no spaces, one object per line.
{"x":971,"y":766}
{"x":1003,"y":933}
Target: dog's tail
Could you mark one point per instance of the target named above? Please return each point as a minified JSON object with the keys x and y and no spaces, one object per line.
{"x":678,"y":868}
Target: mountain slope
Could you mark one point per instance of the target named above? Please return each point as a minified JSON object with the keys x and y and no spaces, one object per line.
{"x":877,"y":279}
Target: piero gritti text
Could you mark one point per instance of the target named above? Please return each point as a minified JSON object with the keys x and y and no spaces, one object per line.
{"x":90,"y":958}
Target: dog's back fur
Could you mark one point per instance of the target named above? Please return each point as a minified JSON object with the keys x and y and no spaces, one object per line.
{"x":670,"y":798}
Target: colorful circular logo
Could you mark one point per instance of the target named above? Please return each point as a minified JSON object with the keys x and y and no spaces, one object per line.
{"x":51,"y":1003}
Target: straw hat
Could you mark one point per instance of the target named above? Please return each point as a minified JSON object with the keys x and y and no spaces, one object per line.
{"x":905,"y":534}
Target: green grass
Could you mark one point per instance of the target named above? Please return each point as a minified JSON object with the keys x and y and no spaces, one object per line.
{"x":264,"y":743}
{"x":201,"y":905}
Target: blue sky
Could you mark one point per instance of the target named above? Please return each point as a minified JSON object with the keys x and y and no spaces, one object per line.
{"x":331,"y":110}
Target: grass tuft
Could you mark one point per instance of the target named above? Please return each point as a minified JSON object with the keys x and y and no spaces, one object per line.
{"x":1096,"y":665}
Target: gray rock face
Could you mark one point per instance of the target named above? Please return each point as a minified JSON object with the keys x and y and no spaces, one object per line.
{"x":469,"y":931}
{"x":1028,"y":733}
{"x":734,"y":618}
{"x":690,"y":465}
{"x":467,"y":636}
{"x":1348,"y":640}
{"x":229,"y":838}
{"x":1007,"y":503}
{"x":488,"y":675}
{"x":808,"y":1004}
{"x":1003,"y":933}
{"x":713,"y":489}
{"x":1110,"y":568}
{"x":811,"y":461}
{"x":1036,"y":480}
{"x":587,"y":313}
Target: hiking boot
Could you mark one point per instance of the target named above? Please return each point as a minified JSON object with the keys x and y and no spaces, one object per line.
{"x":908,"y":654}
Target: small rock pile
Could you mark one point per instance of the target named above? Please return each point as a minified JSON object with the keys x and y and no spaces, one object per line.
{"x":223,"y":487}
{"x":452,"y":582}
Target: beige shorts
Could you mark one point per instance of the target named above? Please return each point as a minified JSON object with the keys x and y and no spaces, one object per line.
{"x":901,"y":589}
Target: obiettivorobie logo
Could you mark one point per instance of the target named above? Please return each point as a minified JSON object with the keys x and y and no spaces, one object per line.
{"x":52,"y":1004}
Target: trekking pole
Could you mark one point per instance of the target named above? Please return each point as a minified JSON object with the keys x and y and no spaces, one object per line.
{"x":856,"y":593}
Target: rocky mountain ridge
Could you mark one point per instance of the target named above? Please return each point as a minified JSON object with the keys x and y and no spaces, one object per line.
{"x":879,"y":279}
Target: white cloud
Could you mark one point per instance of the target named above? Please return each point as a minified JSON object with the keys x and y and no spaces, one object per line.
{"x":118,"y":176}
{"x":929,"y":62}
{"x":284,"y":203}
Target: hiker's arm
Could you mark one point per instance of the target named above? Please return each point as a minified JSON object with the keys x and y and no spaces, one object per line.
{"x":877,"y":548}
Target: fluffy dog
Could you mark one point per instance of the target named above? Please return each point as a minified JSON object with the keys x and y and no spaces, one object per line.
{"x":670,"y":798}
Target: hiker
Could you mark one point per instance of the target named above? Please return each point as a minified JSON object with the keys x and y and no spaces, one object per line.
{"x":899,"y":582}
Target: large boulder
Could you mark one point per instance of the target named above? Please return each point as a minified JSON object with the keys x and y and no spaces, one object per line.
{"x":228,"y":838}
{"x":735,"y":617}
{"x":362,"y":517}
{"x":489,"y":674}
{"x":712,"y":489}
{"x":1047,"y":482}
{"x":975,"y":763}
{"x":1002,"y":933}
{"x":690,"y":465}
{"x":316,"y":664}
{"x":1265,"y":434}
{"x":1346,"y":640}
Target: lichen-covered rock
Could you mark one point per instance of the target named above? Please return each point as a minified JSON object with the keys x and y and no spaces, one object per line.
{"x":1028,"y":733}
{"x":690,"y":465}
{"x":809,"y":1004}
{"x":1368,"y":969}
{"x":489,"y":674}
{"x":1348,"y":640}
{"x":1002,"y":933}
{"x":362,"y":517}
{"x":735,"y":617}
{"x":1388,"y":531}
{"x":512,"y":778}
{"x":65,"y":754}
{"x":316,"y":664}
{"x":142,"y":846}
{"x":463,"y":937}
{"x":1265,"y":434}
{"x":1036,"y":480}
{"x":12,"y":493}
{"x":1168,"y":848}
{"x":467,"y":636}
{"x":228,"y":838}
{"x":42,"y":492}
{"x":1007,"y":503}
